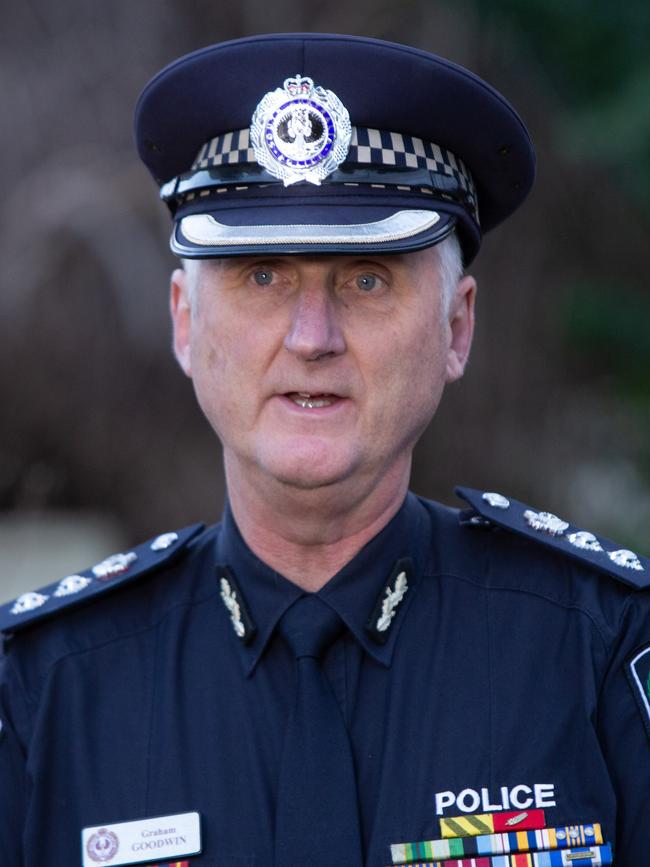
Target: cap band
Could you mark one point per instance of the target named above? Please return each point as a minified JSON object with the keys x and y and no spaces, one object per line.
{"x":205,"y":230}
{"x":222,"y":160}
{"x":366,"y":146}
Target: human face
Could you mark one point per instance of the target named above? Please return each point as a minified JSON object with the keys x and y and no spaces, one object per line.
{"x":318,"y":370}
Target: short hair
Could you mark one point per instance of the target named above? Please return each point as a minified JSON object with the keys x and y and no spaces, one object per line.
{"x":450,"y":263}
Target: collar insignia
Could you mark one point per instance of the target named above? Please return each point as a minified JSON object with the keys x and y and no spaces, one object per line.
{"x":389,"y":601}
{"x":229,"y":597}
{"x":232,"y":598}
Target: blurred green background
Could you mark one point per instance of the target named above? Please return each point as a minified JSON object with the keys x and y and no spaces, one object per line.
{"x":101,"y":443}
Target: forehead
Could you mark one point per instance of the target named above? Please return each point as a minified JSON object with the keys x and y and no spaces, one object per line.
{"x":419,"y":260}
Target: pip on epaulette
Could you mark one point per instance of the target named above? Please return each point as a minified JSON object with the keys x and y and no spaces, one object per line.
{"x":491,"y":508}
{"x":83,"y":587}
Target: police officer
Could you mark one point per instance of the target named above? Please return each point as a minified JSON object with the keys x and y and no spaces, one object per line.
{"x":340,"y":673}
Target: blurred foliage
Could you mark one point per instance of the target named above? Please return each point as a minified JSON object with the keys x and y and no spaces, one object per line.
{"x":595,"y":54}
{"x":589,"y":47}
{"x":592,"y":59}
{"x":613,"y":335}
{"x":607,"y":331}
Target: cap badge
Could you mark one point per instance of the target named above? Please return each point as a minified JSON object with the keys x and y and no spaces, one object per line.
{"x":390,"y":602}
{"x":545,"y":522}
{"x":300,"y":132}
{"x":28,"y":602}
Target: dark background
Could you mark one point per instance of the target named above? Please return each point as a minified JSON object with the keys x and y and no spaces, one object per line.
{"x":97,"y":420}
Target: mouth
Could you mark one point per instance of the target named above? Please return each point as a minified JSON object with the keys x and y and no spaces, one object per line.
{"x":307,"y":400}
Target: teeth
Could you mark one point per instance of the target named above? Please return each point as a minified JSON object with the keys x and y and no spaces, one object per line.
{"x":305,"y":400}
{"x":313,"y":402}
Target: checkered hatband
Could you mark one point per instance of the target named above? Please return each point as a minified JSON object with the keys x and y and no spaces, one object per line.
{"x":379,"y":147}
{"x":367,"y":147}
{"x":230,"y":148}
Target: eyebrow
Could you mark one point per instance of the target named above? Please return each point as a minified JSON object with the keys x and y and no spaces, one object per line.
{"x":233,"y":261}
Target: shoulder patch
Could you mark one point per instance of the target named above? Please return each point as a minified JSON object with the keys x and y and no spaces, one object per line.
{"x":490,"y":508}
{"x":638,"y":672}
{"x":115,"y":571}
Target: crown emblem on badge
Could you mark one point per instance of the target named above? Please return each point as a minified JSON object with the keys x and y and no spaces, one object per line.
{"x":299,"y":86}
{"x":300,"y":132}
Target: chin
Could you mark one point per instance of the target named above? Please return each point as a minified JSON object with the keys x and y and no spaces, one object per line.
{"x":308,"y":466}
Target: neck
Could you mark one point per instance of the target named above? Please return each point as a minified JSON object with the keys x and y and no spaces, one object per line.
{"x":308,"y":535}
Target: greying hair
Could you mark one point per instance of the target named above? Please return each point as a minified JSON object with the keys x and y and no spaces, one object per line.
{"x":450,"y":263}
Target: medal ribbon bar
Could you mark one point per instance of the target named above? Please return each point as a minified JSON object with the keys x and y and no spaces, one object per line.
{"x":592,"y":856}
{"x":498,"y":844}
{"x":490,"y":823}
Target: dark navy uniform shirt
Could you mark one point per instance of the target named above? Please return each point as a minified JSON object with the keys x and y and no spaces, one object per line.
{"x":501,"y":683}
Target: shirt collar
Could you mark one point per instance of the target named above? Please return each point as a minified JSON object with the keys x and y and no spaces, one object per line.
{"x":356,"y":592}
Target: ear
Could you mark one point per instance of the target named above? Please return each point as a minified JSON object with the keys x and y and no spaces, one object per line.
{"x":461,"y":326}
{"x":181,"y":312}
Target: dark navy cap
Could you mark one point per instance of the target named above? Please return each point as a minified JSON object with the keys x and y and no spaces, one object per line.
{"x":295,"y":143}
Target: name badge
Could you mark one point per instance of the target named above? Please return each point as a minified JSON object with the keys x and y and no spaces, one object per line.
{"x":158,"y":839}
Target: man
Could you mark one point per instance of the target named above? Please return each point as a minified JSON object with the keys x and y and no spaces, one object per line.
{"x":339,"y":673}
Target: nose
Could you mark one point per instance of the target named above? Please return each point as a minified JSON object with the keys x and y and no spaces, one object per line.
{"x":314,"y":331}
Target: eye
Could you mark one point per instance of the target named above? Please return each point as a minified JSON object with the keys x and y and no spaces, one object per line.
{"x":263,"y":276}
{"x":367,"y":282}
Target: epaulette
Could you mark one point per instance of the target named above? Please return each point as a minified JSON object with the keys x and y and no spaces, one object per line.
{"x":115,"y":571}
{"x":490,"y":508}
